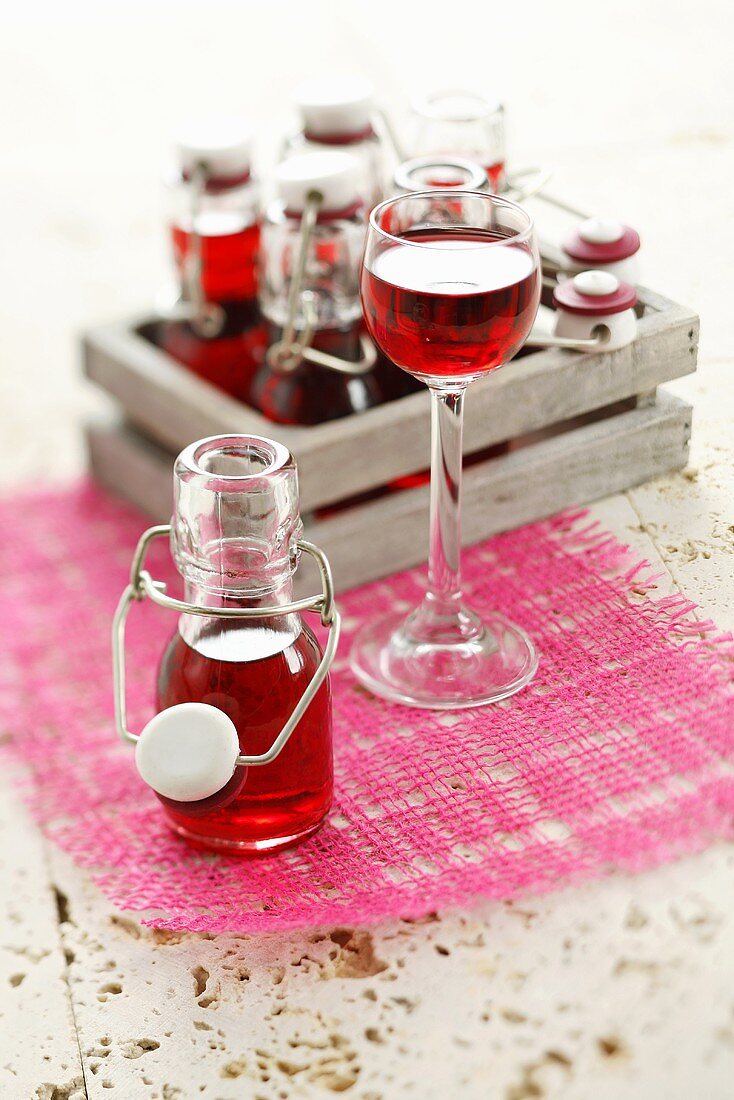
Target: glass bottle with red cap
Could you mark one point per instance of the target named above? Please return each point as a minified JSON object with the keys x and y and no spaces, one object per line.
{"x":336,"y":112}
{"x":319,"y":364}
{"x":215,"y":329}
{"x":604,"y":244}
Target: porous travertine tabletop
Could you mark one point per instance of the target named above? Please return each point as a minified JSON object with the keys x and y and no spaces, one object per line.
{"x":622,"y":988}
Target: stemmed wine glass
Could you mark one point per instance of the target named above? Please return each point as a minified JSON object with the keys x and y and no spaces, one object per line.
{"x":450,"y":288}
{"x":467,"y":124}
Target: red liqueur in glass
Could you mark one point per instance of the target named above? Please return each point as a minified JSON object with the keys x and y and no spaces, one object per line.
{"x":458,"y":122}
{"x":496,"y":176}
{"x":459,"y":308}
{"x":450,"y":286}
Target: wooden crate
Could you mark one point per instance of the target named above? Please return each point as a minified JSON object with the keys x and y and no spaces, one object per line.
{"x":343,"y":458}
{"x":584,"y":460}
{"x":578,"y":426}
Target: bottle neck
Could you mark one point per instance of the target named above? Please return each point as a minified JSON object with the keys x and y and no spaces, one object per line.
{"x":244,"y":639}
{"x":234,"y":533}
{"x":331,"y":273}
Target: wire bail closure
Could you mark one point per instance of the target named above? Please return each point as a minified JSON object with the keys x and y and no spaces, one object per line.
{"x":600,"y":336}
{"x":207,"y":319}
{"x":143,"y":586}
{"x":524,"y":183}
{"x":287,"y":354}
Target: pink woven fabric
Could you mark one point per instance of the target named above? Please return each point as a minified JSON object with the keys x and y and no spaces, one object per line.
{"x":619,"y":755}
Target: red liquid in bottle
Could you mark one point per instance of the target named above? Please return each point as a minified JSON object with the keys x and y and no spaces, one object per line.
{"x":228,"y":258}
{"x":311,"y":393}
{"x":227,"y":361}
{"x":496,"y":175}
{"x":229,"y":254}
{"x":459,"y":308}
{"x":266,"y":807}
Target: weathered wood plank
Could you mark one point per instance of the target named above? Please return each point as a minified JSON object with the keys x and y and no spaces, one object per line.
{"x":572,"y":468}
{"x":381,"y":536}
{"x":174,"y":407}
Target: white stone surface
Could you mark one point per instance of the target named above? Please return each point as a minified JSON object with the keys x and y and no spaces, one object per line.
{"x":620,"y":989}
{"x":39,"y":1050}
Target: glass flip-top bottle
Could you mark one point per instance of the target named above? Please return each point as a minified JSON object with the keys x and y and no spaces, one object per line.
{"x":336,"y":112}
{"x":214,"y":225}
{"x":319,"y":364}
{"x":238,"y":670}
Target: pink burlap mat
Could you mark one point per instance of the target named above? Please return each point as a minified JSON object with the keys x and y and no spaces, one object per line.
{"x":618,"y":756}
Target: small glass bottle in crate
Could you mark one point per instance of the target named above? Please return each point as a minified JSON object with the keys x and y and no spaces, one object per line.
{"x":215,"y":329}
{"x":320,"y":365}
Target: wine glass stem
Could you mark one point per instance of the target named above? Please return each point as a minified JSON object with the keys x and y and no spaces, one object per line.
{"x":444,"y":557}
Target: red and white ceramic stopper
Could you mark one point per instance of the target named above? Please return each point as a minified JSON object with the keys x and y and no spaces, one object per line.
{"x":604,"y":244}
{"x":334,"y":106}
{"x":222,"y":142}
{"x":591,"y":299}
{"x":335,"y":175}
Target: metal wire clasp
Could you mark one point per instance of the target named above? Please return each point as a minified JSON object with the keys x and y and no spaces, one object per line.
{"x":143,"y":586}
{"x":524,"y":183}
{"x":289,"y":352}
{"x":600,"y":336}
{"x":207,"y":319}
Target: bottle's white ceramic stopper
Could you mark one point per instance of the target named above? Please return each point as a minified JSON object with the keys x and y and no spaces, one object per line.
{"x":334,"y":105}
{"x":601,"y":230}
{"x":595,"y":284}
{"x":188,"y":752}
{"x":222,"y":142}
{"x":337,"y":176}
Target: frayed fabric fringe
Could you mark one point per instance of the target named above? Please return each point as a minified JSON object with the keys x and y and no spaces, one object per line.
{"x":620,"y":754}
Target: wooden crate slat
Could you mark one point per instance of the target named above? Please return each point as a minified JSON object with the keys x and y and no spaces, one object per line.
{"x":174,"y":407}
{"x":379,"y":537}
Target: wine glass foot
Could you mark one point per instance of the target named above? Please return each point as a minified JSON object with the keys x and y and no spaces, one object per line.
{"x":441,"y":674}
